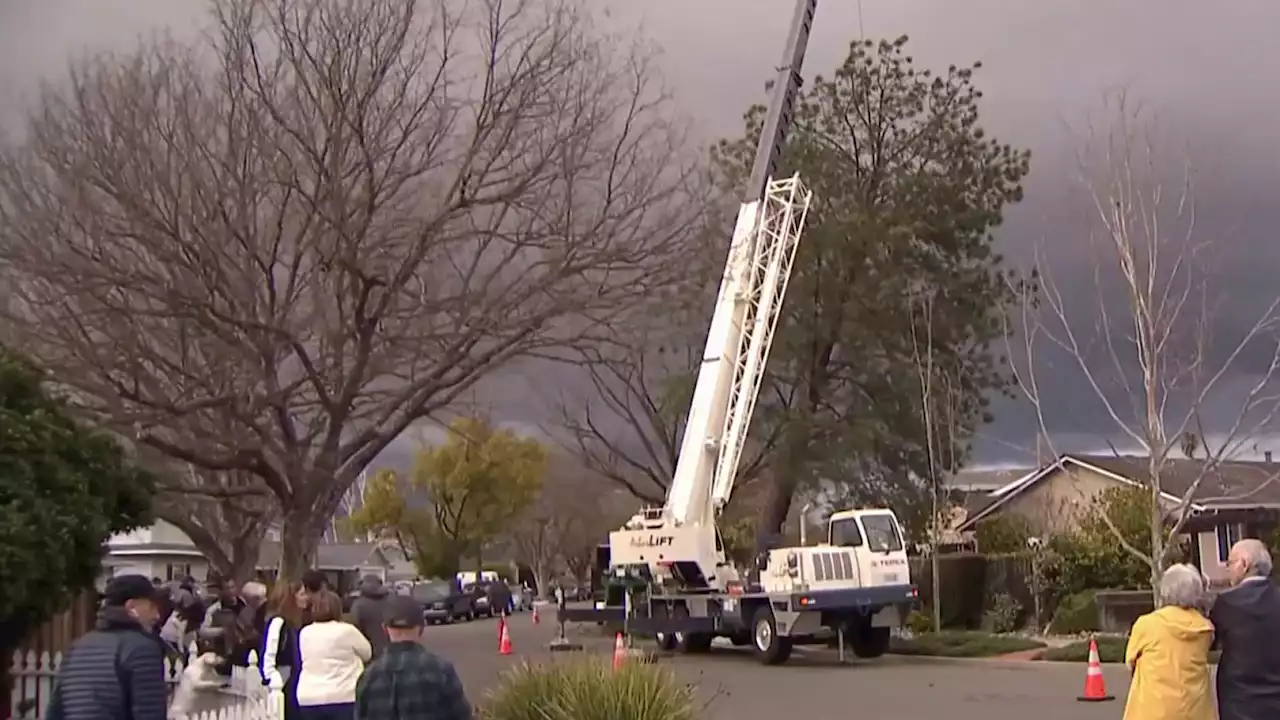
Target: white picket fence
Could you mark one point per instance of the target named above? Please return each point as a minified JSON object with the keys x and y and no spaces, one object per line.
{"x":34,"y":676}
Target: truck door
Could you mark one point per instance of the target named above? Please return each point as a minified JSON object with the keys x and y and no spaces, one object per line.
{"x":846,"y":535}
{"x":883,"y":554}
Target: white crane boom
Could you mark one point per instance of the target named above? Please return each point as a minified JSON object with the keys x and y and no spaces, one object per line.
{"x":765,"y":237}
{"x":738,"y":344}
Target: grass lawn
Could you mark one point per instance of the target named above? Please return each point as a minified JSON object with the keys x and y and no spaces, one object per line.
{"x":1110,"y":650}
{"x":962,"y":645}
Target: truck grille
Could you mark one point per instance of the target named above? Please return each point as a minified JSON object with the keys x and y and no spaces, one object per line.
{"x":832,"y":566}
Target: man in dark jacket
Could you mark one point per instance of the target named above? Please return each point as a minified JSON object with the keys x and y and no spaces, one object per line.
{"x":369,"y":612}
{"x":1246,"y":621}
{"x":116,"y":671}
{"x":407,"y":682}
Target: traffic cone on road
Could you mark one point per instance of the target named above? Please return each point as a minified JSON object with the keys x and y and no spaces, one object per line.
{"x":504,"y":643}
{"x":535,"y":614}
{"x":1095,"y":686}
{"x":619,"y":652}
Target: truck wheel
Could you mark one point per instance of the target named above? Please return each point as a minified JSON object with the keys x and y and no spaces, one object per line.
{"x":686,"y":642}
{"x":770,"y":648}
{"x":869,"y":642}
{"x":666,"y":641}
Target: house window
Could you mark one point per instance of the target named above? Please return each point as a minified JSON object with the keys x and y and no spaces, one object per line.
{"x":1228,"y":534}
{"x":177,"y":571}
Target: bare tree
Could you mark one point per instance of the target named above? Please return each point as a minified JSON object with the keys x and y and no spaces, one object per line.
{"x":227,"y":526}
{"x":570,"y":505}
{"x":1152,"y":350}
{"x":273,"y":253}
{"x":628,"y":424}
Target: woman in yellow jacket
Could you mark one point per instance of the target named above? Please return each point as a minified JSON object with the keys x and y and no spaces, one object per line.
{"x":1168,"y":653}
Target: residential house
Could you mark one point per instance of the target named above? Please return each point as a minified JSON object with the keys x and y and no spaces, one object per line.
{"x":345,"y":563}
{"x":161,"y":550}
{"x":1234,"y":499}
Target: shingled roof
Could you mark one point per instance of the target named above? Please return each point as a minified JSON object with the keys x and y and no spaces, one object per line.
{"x":1233,"y":484}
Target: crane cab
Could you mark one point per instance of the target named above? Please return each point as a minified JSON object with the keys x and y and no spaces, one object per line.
{"x":863,"y":549}
{"x":877,"y":544}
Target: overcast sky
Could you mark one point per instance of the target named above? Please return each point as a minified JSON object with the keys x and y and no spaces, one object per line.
{"x":1208,"y":69}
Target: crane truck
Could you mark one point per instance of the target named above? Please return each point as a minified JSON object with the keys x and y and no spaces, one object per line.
{"x":669,"y":564}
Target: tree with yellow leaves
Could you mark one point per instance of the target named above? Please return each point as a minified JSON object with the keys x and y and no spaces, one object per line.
{"x":472,"y":487}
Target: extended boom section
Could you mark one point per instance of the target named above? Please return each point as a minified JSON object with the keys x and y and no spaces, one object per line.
{"x":678,"y":543}
{"x":666,"y":572}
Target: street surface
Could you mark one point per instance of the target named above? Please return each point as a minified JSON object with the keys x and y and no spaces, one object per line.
{"x":736,"y":687}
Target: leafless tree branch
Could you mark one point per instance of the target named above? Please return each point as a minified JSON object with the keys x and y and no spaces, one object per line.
{"x":1158,"y":354}
{"x":273,"y":253}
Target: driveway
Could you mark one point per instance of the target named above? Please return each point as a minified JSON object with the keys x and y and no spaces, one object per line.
{"x":736,"y":687}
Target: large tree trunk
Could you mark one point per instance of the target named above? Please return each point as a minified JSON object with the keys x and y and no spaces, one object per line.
{"x":299,"y":536}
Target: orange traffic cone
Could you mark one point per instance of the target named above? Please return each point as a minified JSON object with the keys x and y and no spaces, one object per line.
{"x":619,"y":652}
{"x":1095,"y":686}
{"x":504,"y":644}
{"x":535,"y":614}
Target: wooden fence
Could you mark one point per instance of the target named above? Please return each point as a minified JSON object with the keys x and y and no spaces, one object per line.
{"x":969,"y":581}
{"x":57,"y":634}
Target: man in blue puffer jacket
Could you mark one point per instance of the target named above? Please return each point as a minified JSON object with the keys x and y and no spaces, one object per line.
{"x":116,"y":671}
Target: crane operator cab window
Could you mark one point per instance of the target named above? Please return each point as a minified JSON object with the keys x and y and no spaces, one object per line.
{"x":845,"y":533}
{"x":877,"y":531}
{"x":882,"y":533}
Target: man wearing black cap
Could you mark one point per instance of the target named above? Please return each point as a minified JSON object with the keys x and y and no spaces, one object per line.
{"x":116,"y":671}
{"x":406,"y":682}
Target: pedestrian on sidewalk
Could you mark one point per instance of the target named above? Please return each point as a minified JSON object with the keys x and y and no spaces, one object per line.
{"x":1247,"y":619}
{"x":281,"y":660}
{"x":334,"y":654}
{"x":369,"y":612}
{"x":407,"y":682}
{"x":1168,"y":653}
{"x":117,"y":669}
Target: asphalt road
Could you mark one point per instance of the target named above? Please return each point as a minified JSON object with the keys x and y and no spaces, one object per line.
{"x":735,"y":687}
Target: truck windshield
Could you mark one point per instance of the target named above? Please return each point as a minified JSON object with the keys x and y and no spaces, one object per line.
{"x":882,"y":533}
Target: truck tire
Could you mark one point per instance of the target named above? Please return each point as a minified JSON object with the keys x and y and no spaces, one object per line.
{"x":685,"y":642}
{"x":869,"y":642}
{"x":666,"y":641}
{"x":770,"y":648}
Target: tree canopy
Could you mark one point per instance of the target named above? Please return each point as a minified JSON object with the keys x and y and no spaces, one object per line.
{"x":463,"y":495}
{"x":64,"y":490}
{"x":907,"y":190}
{"x":269,"y":254}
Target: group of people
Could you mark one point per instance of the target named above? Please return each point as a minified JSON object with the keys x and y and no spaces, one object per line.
{"x":1168,"y":649}
{"x":314,"y":664}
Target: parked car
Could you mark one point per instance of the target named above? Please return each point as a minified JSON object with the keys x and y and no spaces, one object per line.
{"x":442,"y":602}
{"x":480,"y":599}
{"x":519,"y":602}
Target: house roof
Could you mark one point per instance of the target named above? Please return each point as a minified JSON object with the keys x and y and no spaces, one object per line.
{"x":976,"y":481}
{"x":329,"y":556}
{"x":1226,"y":485}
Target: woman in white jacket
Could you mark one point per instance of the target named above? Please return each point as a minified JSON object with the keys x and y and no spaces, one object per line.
{"x":333,"y":657}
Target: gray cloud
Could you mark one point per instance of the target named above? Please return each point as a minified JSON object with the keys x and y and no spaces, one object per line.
{"x":1206,"y":68}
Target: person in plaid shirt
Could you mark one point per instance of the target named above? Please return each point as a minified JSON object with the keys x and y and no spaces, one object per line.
{"x":406,"y":682}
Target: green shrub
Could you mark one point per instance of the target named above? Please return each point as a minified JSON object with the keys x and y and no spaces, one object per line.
{"x":920,"y":621}
{"x":1077,"y":613}
{"x":1002,"y":613}
{"x":962,"y":644}
{"x":589,"y":689}
{"x":1003,"y":534}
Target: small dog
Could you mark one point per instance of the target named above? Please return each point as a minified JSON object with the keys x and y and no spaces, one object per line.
{"x":199,"y":679}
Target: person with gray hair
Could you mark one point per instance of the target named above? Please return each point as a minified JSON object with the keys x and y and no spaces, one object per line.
{"x":1168,"y":653}
{"x":1247,"y":620}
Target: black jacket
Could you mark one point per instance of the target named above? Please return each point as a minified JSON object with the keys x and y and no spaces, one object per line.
{"x":116,"y":672}
{"x":1246,"y":621}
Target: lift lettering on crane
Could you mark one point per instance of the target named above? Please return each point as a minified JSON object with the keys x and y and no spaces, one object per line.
{"x":653,"y":541}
